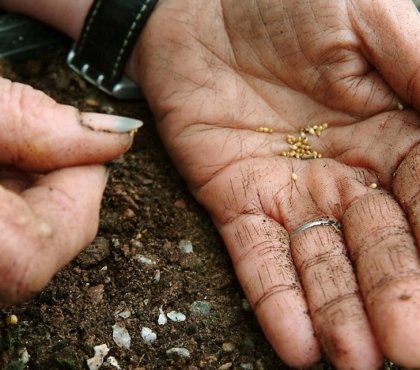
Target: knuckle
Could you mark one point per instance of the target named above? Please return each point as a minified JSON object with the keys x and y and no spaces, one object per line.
{"x":22,"y":104}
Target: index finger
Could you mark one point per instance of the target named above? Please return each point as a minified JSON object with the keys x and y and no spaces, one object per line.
{"x":41,"y":135}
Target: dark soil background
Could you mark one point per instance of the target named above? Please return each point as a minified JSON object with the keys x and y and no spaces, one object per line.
{"x":135,"y":267}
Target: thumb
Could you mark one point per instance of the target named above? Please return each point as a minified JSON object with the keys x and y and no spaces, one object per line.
{"x":390,"y":31}
{"x":41,"y":135}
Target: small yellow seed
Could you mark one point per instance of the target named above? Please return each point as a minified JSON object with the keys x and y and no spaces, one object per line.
{"x":324,"y":126}
{"x":400,"y":106}
{"x":311,"y":131}
{"x":12,"y":320}
{"x":294,"y":176}
{"x":374,"y":185}
{"x":308,"y":156}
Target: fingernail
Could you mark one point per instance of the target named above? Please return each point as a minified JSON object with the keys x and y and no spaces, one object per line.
{"x":125,"y":124}
{"x":109,"y":123}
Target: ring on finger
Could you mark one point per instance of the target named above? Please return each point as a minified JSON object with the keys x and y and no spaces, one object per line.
{"x":316,"y":223}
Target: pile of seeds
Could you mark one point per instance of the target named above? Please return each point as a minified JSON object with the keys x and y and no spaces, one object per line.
{"x":299,"y":147}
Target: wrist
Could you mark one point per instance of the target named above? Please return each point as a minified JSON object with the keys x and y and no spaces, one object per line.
{"x":66,"y":16}
{"x":69,"y":17}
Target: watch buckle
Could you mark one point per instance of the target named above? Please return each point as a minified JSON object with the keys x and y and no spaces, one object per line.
{"x":124,"y":89}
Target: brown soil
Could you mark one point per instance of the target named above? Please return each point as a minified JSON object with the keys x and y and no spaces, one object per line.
{"x":147,"y":211}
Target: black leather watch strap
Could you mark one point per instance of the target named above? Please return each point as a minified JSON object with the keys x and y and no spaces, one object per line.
{"x":111,"y":28}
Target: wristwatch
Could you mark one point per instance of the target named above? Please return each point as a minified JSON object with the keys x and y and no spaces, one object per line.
{"x":110,"y":30}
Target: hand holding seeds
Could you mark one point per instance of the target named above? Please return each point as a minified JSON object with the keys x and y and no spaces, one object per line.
{"x":286,"y":122}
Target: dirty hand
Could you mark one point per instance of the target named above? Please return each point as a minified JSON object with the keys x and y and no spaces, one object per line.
{"x":216,"y":71}
{"x":51,"y":184}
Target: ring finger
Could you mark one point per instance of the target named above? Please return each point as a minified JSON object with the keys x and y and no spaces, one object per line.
{"x":331,"y":289}
{"x":320,"y":256}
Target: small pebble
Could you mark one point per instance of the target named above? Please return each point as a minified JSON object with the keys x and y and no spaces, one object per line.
{"x":148,"y":335}
{"x":144,"y":260}
{"x":181,"y":352}
{"x":156,"y":277}
{"x":201,"y":308}
{"x":113,"y":362}
{"x":245,"y":305}
{"x":125,"y":314}
{"x":107,"y":109}
{"x":162,"y":320}
{"x":225,"y":366}
{"x":121,"y":337}
{"x":246,"y":366}
{"x":176,"y":316}
{"x":260,"y":364}
{"x":97,"y":360}
{"x":180,"y":203}
{"x":228,"y":347}
{"x":185,"y":246}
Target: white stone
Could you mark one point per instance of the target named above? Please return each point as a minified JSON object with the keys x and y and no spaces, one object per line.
{"x":176,"y":316}
{"x":185,"y":246}
{"x":97,"y":360}
{"x":121,"y":336}
{"x":162,"y":320}
{"x":148,"y":335}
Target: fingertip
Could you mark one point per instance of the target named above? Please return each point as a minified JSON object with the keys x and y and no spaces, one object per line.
{"x":40,"y":135}
{"x":289,"y":331}
{"x":352,"y":346}
{"x":398,"y":328}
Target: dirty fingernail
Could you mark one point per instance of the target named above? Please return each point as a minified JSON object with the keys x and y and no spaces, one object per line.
{"x":109,"y":123}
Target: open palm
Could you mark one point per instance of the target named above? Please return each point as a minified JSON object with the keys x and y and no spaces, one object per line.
{"x":215,"y":72}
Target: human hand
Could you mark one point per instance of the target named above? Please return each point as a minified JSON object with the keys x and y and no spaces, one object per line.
{"x":51,"y":184}
{"x":214,"y":72}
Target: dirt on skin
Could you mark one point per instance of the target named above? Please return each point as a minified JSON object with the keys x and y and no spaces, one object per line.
{"x":135,"y":268}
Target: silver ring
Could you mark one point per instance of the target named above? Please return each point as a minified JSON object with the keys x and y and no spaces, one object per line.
{"x":314,"y":223}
